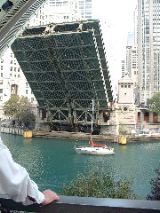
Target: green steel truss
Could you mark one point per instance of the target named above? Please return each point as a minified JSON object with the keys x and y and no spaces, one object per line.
{"x":66,"y":68}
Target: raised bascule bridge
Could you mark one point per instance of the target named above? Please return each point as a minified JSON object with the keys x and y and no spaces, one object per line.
{"x":65,"y":65}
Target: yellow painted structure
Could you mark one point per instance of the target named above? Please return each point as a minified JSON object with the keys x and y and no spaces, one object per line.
{"x":27,"y":134}
{"x":122,"y":139}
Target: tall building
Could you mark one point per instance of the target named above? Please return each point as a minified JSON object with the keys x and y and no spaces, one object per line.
{"x":123,"y":68}
{"x":128,"y":60}
{"x":77,"y":9}
{"x":12,"y":79}
{"x":132,"y":63}
{"x":129,"y":66}
{"x":148,"y":48}
{"x":62,"y":11}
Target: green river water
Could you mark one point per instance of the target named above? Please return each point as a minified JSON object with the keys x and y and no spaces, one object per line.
{"x":53,"y":163}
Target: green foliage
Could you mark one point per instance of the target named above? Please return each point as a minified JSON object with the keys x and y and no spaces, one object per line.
{"x":10,"y":107}
{"x":154,"y":103}
{"x":155,"y":187}
{"x":28,"y":119}
{"x":20,"y":109}
{"x":99,"y":185}
{"x":16,"y":106}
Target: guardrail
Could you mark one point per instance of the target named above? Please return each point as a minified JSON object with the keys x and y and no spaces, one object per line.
{"x":68,"y":204}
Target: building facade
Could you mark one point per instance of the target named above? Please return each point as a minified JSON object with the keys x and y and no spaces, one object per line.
{"x":148,"y":48}
{"x":57,"y":11}
{"x":129,"y":66}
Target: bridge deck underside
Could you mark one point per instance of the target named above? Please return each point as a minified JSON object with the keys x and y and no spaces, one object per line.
{"x":65,"y":67}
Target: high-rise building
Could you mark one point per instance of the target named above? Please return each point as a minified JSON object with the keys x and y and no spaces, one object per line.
{"x":62,"y":11}
{"x":148,"y":48}
{"x":129,"y":66}
{"x":77,"y":9}
{"x":128,"y":60}
{"x":132,"y":63}
{"x":123,"y":68}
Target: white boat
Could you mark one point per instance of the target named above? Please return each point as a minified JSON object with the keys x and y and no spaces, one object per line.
{"x":89,"y":150}
{"x":94,"y":148}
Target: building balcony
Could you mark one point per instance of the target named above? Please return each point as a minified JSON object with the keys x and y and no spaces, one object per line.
{"x":68,"y":204}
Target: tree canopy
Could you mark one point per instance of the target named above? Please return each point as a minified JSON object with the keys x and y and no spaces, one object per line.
{"x":100,"y":185}
{"x":19,"y":108}
{"x":16,"y":106}
{"x":155,"y":186}
{"x":154,"y":103}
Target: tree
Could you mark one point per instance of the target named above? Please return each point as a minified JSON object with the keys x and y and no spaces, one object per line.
{"x":28,"y":119}
{"x":99,"y":185}
{"x":19,"y":108}
{"x":154,"y":103}
{"x":155,"y":187}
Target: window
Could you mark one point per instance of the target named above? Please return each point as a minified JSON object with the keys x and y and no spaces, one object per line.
{"x":32,"y":100}
{"x":14,"y":89}
{"x":125,"y":108}
{"x":66,"y":17}
{"x":1,"y":90}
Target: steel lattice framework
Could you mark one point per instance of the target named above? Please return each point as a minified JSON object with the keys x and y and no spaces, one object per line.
{"x":65,"y":66}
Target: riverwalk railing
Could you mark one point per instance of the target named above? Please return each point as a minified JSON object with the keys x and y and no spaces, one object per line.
{"x":12,"y":130}
{"x":68,"y":204}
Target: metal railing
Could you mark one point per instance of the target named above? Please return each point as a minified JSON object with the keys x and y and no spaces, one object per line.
{"x":74,"y":204}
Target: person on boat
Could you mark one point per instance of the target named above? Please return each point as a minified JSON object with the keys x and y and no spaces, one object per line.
{"x":94,"y":144}
{"x":15,"y":183}
{"x":91,"y":142}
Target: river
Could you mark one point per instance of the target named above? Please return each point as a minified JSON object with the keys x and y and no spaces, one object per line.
{"x":53,"y":163}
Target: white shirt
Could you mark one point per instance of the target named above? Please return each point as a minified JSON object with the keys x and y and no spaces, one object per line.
{"x":15,"y":182}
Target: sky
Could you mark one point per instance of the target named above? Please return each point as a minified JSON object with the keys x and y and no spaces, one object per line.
{"x":116,"y":19}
